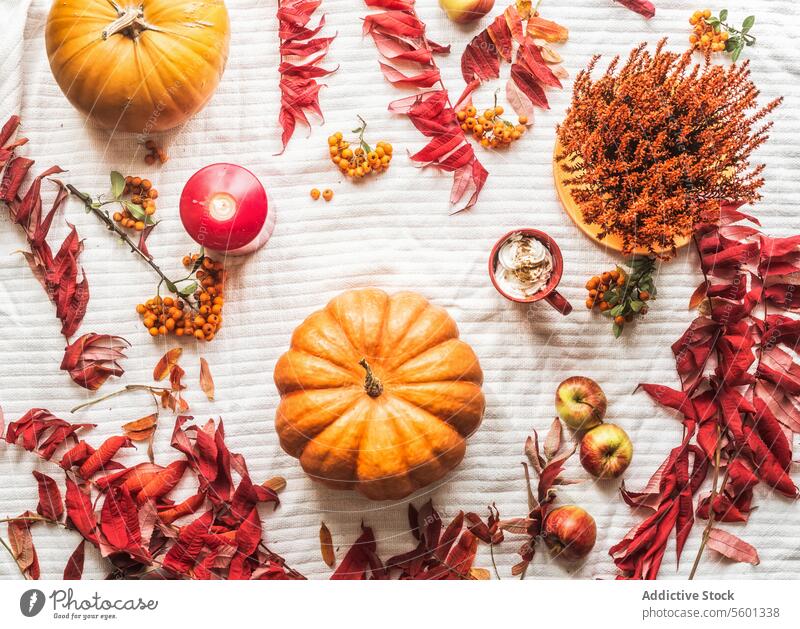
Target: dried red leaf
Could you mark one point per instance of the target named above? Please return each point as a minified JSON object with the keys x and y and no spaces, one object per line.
{"x":119,"y":524}
{"x":50,"y":503}
{"x":191,"y":505}
{"x":326,"y":546}
{"x":298,"y":83}
{"x":93,"y":358}
{"x":361,"y":561}
{"x":732,"y":547}
{"x":103,"y":455}
{"x":40,"y":432}
{"x":642,"y":7}
{"x":80,"y":511}
{"x":73,"y":571}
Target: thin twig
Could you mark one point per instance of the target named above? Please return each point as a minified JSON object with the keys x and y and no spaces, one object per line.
{"x":126,"y":389}
{"x":90,"y":205}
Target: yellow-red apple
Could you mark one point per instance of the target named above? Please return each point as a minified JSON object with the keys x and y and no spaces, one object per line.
{"x":606,"y":451}
{"x":463,"y":11}
{"x":580,"y":403}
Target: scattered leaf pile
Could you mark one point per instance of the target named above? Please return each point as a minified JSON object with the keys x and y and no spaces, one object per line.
{"x":739,"y":398}
{"x":441,"y":552}
{"x":536,"y":65}
{"x":399,"y":36}
{"x":135,"y":526}
{"x":301,"y":51}
{"x":59,"y":274}
{"x":682,"y":135}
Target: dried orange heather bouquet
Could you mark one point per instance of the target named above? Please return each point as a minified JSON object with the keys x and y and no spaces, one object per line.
{"x":659,"y":143}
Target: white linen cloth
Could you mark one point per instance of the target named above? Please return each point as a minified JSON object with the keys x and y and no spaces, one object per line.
{"x":393,"y":232}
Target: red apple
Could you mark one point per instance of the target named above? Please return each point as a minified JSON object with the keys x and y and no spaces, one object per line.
{"x":580,"y":402}
{"x":606,"y":451}
{"x":569,"y":532}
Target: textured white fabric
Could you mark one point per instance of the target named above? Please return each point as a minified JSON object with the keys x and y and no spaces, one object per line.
{"x":393,"y":232}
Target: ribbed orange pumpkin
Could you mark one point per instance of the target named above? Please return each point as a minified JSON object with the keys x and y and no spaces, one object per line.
{"x":378,"y":394}
{"x":138,"y":65}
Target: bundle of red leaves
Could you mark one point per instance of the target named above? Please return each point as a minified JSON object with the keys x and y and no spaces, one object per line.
{"x":536,"y":65}
{"x":642,"y":7}
{"x":93,"y":358}
{"x":548,"y":463}
{"x":301,"y":50}
{"x":739,"y":396}
{"x":59,"y":274}
{"x":399,"y":36}
{"x":441,"y":552}
{"x":135,"y":528}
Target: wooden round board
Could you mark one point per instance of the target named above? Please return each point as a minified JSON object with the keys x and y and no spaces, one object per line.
{"x":574,"y":211}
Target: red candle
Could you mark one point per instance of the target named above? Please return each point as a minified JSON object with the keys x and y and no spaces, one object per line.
{"x":224,"y":208}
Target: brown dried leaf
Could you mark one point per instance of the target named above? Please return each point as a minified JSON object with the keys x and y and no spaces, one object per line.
{"x":206,"y":381}
{"x":552,"y":444}
{"x":532,"y":452}
{"x":165,"y":364}
{"x":326,"y":546}
{"x":276,"y":484}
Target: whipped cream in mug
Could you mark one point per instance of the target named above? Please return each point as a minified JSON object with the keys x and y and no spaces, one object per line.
{"x":524,"y":266}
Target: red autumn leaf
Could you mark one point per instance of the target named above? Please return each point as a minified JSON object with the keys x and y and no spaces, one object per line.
{"x":732,"y":547}
{"x":547,"y":30}
{"x":399,"y":34}
{"x":73,"y":571}
{"x":103,"y":455}
{"x":183,"y":555}
{"x":698,"y":296}
{"x":80,"y":511}
{"x":76,"y":455}
{"x":248,"y":537}
{"x":19,"y":535}
{"x":93,"y":358}
{"x":119,"y":522}
{"x":642,"y":7}
{"x":206,"y":381}
{"x":166,"y":363}
{"x":60,"y":275}
{"x":40,"y":432}
{"x":361,"y":560}
{"x":298,"y":85}
{"x":50,"y":504}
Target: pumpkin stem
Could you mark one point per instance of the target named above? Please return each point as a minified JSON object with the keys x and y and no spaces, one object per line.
{"x":130,"y":20}
{"x":372,"y":385}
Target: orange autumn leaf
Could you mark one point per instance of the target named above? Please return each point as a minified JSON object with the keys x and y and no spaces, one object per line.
{"x":206,"y":381}
{"x":166,"y":363}
{"x":141,"y":429}
{"x":698,"y":296}
{"x":480,"y":574}
{"x":547,"y":30}
{"x":326,"y":546}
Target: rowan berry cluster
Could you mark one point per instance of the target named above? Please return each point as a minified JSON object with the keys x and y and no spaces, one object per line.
{"x":358,"y":159}
{"x":489,"y":128}
{"x":138,"y":208}
{"x":173,"y":315}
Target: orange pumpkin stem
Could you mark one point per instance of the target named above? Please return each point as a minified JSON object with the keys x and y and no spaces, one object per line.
{"x":372,"y":385}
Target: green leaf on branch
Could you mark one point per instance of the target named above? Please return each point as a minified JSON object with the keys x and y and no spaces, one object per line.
{"x":117,"y":184}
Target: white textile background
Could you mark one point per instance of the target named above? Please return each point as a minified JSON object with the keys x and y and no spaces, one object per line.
{"x":392,"y":232}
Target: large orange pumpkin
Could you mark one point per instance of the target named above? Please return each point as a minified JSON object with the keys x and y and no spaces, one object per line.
{"x":138,"y":65}
{"x":378,"y":394}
